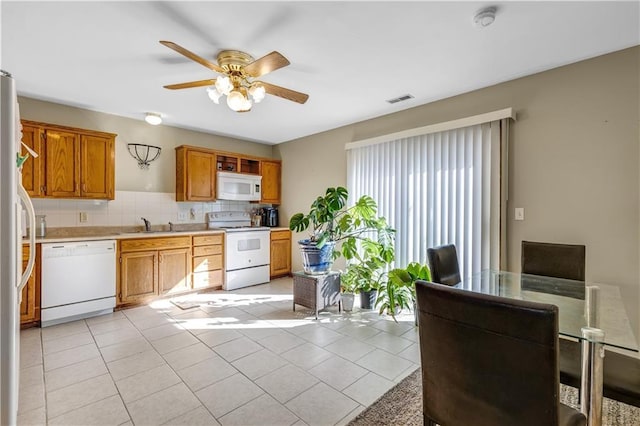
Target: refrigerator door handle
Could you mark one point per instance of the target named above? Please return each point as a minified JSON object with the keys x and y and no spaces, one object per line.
{"x":22,"y":193}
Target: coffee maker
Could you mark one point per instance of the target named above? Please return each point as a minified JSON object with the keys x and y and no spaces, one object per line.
{"x":270,"y":216}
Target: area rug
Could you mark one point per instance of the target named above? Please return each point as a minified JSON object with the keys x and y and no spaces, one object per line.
{"x":185,"y":304}
{"x":402,"y":405}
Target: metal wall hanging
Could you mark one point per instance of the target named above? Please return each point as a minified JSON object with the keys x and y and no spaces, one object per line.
{"x":144,"y":154}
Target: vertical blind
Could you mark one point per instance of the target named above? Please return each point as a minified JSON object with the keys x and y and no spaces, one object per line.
{"x":434,"y":189}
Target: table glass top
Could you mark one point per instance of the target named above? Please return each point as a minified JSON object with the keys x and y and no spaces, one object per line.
{"x":579,"y":304}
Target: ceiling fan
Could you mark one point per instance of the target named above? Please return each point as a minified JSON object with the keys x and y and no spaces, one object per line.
{"x":239,"y":71}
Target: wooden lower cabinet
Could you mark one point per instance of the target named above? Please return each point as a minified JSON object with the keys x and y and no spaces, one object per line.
{"x":30,"y":304}
{"x":280,"y":253}
{"x":208,"y":261}
{"x":151,"y":267}
{"x":138,"y":276}
{"x":174,"y":270}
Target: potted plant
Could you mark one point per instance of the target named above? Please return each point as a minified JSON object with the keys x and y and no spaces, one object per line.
{"x":348,"y":285}
{"x":330,"y":221}
{"x":398,"y":291}
{"x":368,"y":265}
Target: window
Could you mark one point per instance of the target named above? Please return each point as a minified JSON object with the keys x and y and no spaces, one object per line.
{"x":437,"y":188}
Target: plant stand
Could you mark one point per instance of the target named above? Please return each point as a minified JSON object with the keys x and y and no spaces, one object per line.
{"x":316,"y":291}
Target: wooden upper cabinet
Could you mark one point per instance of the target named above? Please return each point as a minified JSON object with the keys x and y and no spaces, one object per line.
{"x":195,"y":175}
{"x":62,"y":164}
{"x":271,"y":182}
{"x":196,"y":169}
{"x":96,"y":167}
{"x":33,"y":168}
{"x":72,"y":163}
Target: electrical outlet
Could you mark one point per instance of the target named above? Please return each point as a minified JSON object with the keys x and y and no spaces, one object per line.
{"x":83,"y":217}
{"x":182,"y":216}
{"x":192,"y":214}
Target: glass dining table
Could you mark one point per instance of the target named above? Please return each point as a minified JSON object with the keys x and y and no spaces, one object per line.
{"x":592,"y":313}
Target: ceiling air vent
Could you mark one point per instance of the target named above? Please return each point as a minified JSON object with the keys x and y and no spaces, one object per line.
{"x":400,"y":99}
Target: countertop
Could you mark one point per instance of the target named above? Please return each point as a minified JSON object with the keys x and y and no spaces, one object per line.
{"x":61,"y":235}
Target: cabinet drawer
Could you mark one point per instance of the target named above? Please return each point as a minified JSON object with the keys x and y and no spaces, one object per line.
{"x":207,"y":279}
{"x":203,"y":240}
{"x":207,"y":250}
{"x":155,"y":243}
{"x":207,"y":263}
{"x":280,"y":235}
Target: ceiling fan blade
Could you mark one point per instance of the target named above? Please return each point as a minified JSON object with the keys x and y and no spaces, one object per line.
{"x":288,"y":94}
{"x":199,"y":83}
{"x":192,"y":56}
{"x":266,"y":64}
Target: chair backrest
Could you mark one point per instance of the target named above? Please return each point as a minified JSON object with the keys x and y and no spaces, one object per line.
{"x":487,"y":360}
{"x":553,"y":260}
{"x":443,"y":262}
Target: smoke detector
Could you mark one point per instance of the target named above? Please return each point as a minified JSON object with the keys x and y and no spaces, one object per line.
{"x":485,"y":17}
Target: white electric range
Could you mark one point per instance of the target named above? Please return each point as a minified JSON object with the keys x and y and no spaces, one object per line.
{"x":247,"y":249}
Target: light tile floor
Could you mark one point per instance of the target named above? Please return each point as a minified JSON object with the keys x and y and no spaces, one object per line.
{"x":238,"y":358}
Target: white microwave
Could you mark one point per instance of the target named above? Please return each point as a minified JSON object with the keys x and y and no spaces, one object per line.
{"x":238,"y":186}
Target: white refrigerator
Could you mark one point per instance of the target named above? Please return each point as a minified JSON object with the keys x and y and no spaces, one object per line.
{"x":13,"y":198}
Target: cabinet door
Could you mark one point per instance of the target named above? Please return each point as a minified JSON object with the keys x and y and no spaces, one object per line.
{"x":280,"y":258}
{"x":33,"y":168}
{"x":28,"y":304}
{"x":62,"y":160}
{"x":96,"y":167}
{"x":174,"y":272}
{"x":201,"y":176}
{"x":138,"y":275}
{"x":271,"y":182}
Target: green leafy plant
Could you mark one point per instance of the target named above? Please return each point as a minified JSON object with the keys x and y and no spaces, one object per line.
{"x":367,"y":265}
{"x":398,"y":291}
{"x":329,"y":219}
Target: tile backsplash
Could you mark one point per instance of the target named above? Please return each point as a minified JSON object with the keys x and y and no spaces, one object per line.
{"x":128,"y":207}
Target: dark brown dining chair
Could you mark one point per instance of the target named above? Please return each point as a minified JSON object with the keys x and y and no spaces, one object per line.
{"x":488,"y":360}
{"x":443,"y":262}
{"x":553,"y":260}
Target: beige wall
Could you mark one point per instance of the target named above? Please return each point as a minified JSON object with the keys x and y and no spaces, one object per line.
{"x":160,"y":177}
{"x":573,"y":161}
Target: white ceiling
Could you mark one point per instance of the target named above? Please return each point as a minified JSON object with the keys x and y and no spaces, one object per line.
{"x":348,"y":56}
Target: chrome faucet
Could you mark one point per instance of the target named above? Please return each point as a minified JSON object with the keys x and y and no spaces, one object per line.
{"x":171,"y":226}
{"x":147,"y":224}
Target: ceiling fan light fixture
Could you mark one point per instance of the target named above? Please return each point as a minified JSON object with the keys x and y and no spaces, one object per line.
{"x":236,"y":100}
{"x":224,"y":85}
{"x":257,"y":92}
{"x":214,"y":95}
{"x":153,"y":118}
{"x":246,"y":105}
{"x":237,"y":70}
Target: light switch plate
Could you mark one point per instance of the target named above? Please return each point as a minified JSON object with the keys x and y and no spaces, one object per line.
{"x":182,"y":216}
{"x":83,"y":217}
{"x":519,"y":213}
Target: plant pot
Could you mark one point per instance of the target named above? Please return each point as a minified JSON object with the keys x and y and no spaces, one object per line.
{"x":368,"y":299}
{"x":316,"y":261}
{"x":347,"y":301}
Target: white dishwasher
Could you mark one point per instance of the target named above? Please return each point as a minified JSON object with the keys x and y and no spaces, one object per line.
{"x":78,"y":280}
